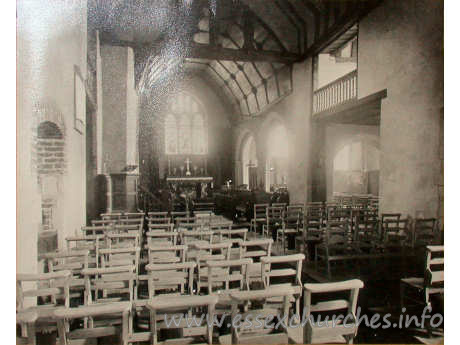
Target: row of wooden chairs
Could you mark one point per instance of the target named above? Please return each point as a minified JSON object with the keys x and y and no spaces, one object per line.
{"x":104,"y":312}
{"x":248,"y":304}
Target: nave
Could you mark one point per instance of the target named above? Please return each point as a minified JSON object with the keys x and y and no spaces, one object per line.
{"x":121,"y":277}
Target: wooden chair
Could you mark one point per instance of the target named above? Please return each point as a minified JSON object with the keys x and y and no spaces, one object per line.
{"x":208,"y":252}
{"x":175,"y":214}
{"x":160,"y":305}
{"x":158,"y":218}
{"x":184,"y":220}
{"x":290,"y":226}
{"x":110,"y":284}
{"x":217,"y":226}
{"x":260,"y":216}
{"x":269,"y":273}
{"x":174,"y":278}
{"x":433,"y":281}
{"x":119,"y":240}
{"x":122,"y":310}
{"x":337,"y":244}
{"x":53,"y":289}
{"x":124,"y":256}
{"x":338,"y":214}
{"x":189,"y":237}
{"x":235,"y":237}
{"x":203,"y":213}
{"x":95,"y":230}
{"x":128,"y":229}
{"x":158,"y":237}
{"x":263,"y":248}
{"x":251,"y":334}
{"x":161,"y":226}
{"x":190,"y":226}
{"x":366,"y":231}
{"x":27,"y":321}
{"x":225,"y":277}
{"x":346,"y":328}
{"x":274,"y":220}
{"x":425,"y":232}
{"x":280,"y":204}
{"x":127,"y":282}
{"x":104,"y":222}
{"x":312,"y":230}
{"x":132,"y":215}
{"x":92,"y":243}
{"x":163,"y":254}
{"x":395,"y":233}
{"x":166,"y":279}
{"x":74,"y":261}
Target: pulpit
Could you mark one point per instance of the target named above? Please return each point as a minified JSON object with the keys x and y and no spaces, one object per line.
{"x":122,"y":192}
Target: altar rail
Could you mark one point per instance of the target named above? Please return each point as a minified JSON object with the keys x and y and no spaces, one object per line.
{"x":339,"y":91}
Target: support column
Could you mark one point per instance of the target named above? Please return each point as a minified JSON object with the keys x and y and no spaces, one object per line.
{"x":299,"y":123}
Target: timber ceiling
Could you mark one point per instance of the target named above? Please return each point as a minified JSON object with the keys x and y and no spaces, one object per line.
{"x":245,"y":48}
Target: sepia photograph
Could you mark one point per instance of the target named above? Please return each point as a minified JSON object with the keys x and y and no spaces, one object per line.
{"x":229,"y":172}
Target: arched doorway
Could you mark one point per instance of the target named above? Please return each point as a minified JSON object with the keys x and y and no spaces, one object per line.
{"x":356,"y":168}
{"x":277,"y":157}
{"x":249,"y":162}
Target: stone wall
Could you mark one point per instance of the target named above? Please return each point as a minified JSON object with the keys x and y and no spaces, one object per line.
{"x":401,"y":50}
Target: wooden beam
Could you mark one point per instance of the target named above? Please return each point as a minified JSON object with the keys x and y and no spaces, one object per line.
{"x":345,"y":23}
{"x":204,"y":51}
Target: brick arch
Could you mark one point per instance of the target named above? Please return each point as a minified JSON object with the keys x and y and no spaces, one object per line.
{"x":48,"y":130}
{"x":49,"y":141}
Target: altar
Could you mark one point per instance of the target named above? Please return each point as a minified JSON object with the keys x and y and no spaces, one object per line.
{"x":189,"y":179}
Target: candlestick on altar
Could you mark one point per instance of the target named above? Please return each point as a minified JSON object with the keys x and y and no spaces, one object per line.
{"x":188,"y":161}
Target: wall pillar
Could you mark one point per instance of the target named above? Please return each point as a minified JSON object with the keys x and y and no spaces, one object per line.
{"x":299,"y":132}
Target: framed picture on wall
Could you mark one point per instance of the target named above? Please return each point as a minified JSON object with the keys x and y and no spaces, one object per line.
{"x":79,"y":101}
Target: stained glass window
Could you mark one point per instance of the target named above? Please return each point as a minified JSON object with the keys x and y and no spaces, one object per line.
{"x":185,"y":127}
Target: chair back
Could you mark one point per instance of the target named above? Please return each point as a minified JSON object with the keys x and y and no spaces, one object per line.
{"x":262,"y":248}
{"x":170,"y":277}
{"x":159,"y":237}
{"x":190,"y":304}
{"x":348,"y":325}
{"x":288,"y":260}
{"x":73,"y":260}
{"x":164,"y":254}
{"x":260,"y":211}
{"x":223,"y":273}
{"x":50,"y":287}
{"x":110,"y":284}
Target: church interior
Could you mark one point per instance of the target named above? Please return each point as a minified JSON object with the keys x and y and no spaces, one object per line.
{"x":241,"y":159}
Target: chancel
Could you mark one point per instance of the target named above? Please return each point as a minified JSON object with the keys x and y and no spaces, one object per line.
{"x":243,"y":159}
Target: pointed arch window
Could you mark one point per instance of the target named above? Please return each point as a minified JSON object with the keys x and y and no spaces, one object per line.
{"x":171,"y":134}
{"x":185,"y":127}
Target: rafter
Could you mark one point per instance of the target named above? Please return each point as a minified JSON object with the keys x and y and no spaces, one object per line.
{"x":353,"y":15}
